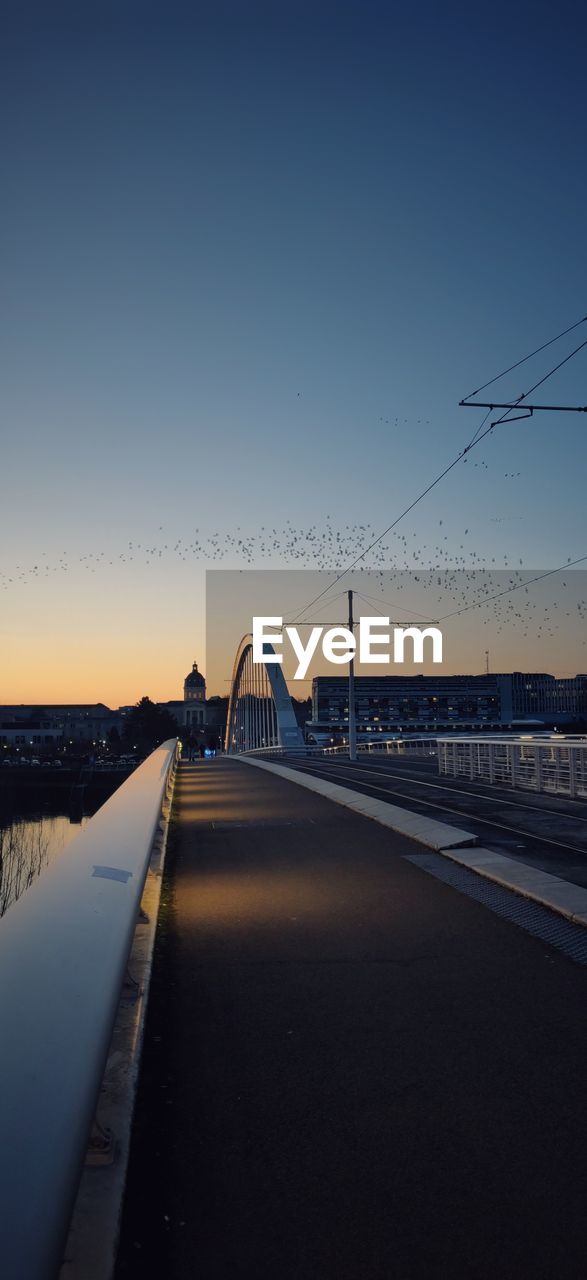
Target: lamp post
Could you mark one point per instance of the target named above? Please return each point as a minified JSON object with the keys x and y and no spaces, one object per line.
{"x":352,"y":720}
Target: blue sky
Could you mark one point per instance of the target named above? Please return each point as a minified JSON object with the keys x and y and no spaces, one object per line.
{"x":238,"y":238}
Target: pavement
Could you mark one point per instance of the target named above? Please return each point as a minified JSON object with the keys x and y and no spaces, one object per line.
{"x":350,"y":1070}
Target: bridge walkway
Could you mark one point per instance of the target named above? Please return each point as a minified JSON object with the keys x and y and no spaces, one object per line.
{"x":350,"y":1070}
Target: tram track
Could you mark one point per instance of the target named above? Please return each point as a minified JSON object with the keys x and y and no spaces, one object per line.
{"x":481,"y":795}
{"x":535,"y":838}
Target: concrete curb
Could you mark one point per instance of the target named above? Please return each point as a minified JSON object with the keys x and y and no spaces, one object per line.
{"x":436,"y":835}
{"x":561,"y":896}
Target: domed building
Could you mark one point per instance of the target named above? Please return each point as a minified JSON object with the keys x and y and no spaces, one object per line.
{"x":194,"y":686}
{"x":194,"y":696}
{"x":190,"y":713}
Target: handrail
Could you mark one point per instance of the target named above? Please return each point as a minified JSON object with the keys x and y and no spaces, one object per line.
{"x":307,"y":750}
{"x":556,"y":764}
{"x":63,"y":952}
{"x":395,"y":746}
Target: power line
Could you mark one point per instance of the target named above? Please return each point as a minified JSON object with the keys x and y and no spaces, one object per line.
{"x":565,"y":408}
{"x":402,"y":622}
{"x":332,"y":601}
{"x":525,"y":358}
{"x":472,"y":444}
{"x":508,"y":590}
{"x":475,"y":440}
{"x":555,"y":370}
{"x":478,"y":604}
{"x":371,"y":600}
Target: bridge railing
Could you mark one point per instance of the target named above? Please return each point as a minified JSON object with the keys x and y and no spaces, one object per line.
{"x":424,"y":747}
{"x":63,"y":954}
{"x":275,"y":752}
{"x":558,"y":766}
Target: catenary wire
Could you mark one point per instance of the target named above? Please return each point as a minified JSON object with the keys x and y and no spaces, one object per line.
{"x":525,"y":358}
{"x":475,"y":440}
{"x":570,"y":564}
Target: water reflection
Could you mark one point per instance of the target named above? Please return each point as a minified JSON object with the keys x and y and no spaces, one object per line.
{"x":40,"y":815}
{"x":27,"y":847}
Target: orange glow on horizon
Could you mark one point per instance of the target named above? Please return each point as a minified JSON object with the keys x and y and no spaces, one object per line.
{"x":87,"y":669}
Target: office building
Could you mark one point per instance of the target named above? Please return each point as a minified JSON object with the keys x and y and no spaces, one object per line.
{"x":388,"y":704}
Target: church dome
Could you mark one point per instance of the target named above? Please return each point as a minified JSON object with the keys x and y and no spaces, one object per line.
{"x":195,"y":679}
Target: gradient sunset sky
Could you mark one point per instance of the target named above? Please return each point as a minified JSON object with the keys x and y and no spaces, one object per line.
{"x":252,"y":257}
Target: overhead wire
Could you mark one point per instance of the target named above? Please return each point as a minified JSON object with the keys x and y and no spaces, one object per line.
{"x":472,"y":444}
{"x":549,"y":375}
{"x":525,"y":358}
{"x":371,"y":600}
{"x":476,"y":439}
{"x":477,"y":604}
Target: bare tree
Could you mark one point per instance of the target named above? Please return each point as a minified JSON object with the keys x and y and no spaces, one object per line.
{"x":24,"y":852}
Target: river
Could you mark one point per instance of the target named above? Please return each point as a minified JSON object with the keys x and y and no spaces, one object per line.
{"x":39,"y":816}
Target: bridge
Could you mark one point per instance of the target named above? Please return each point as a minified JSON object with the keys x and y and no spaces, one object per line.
{"x":343,"y":1004}
{"x":260,"y":711}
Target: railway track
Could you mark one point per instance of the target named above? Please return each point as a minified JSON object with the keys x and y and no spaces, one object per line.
{"x":545,"y":831}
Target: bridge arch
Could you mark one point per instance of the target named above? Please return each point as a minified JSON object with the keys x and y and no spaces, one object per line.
{"x":260,"y":712}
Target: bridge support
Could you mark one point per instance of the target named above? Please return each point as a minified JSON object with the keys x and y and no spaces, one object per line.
{"x":260,"y":711}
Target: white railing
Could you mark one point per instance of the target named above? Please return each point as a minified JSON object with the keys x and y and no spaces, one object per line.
{"x":425,"y":746}
{"x":296,"y":752}
{"x":556,"y":765}
{"x":63,"y":953}
{"x":397,"y":747}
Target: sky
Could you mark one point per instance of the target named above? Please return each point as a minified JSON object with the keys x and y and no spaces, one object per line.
{"x":252,"y":256}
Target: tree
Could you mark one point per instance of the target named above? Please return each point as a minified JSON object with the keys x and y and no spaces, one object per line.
{"x":148,"y":725}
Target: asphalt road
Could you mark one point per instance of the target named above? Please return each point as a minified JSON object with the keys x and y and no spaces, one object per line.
{"x":548,"y":832}
{"x":350,"y":1070}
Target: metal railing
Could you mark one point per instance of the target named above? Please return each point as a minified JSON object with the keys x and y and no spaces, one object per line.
{"x":294,"y":752}
{"x":424,"y":747}
{"x":63,"y":953}
{"x":555,"y":765}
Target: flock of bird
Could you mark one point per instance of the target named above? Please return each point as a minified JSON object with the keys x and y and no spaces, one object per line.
{"x":450,"y":574}
{"x":454,"y":582}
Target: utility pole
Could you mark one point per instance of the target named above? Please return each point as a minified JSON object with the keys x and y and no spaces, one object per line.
{"x":487,"y":662}
{"x":352,"y":721}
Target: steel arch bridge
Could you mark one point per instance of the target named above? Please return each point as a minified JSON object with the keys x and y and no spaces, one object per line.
{"x":260,"y":712}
